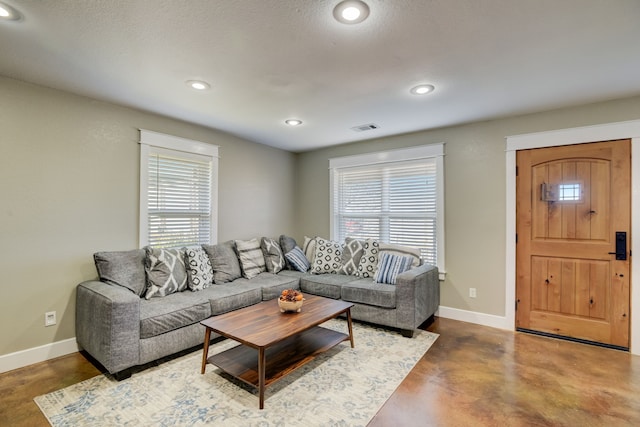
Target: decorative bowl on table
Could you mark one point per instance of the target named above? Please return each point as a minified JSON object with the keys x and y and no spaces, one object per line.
{"x":290,"y":300}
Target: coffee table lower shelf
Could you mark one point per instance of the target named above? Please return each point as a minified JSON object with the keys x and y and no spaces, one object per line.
{"x":281,"y":358}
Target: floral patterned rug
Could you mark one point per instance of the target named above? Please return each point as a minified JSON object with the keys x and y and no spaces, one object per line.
{"x":342,"y":387}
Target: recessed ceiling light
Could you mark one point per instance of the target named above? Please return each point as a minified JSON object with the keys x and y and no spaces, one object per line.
{"x":198,"y":84}
{"x":351,"y":11}
{"x":8,"y":13}
{"x":293,"y":122}
{"x":422,"y":89}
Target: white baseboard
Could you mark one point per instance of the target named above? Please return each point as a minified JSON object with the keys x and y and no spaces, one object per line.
{"x":491,"y":320}
{"x":20,"y":359}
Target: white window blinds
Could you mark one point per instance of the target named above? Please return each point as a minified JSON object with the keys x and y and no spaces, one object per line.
{"x":178,"y":192}
{"x":393,"y":201}
{"x":178,"y":200}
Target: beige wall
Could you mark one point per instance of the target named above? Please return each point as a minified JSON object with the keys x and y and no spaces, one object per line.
{"x":69,"y":187}
{"x":475,"y":200}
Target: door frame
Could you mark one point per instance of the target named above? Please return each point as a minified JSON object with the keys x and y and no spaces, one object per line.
{"x":596,"y":133}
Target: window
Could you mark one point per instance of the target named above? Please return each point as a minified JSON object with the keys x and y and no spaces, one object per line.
{"x":395,"y":196}
{"x":178,"y":191}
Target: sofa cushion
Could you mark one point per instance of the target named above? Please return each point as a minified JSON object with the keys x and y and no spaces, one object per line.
{"x":161,"y":315}
{"x":199,"y":270}
{"x":366,"y":291}
{"x":351,"y":254}
{"x":287,"y":244}
{"x":328,"y":257}
{"x":122,"y":268}
{"x":251,"y":257}
{"x":325,"y":285}
{"x":273,"y":284}
{"x":166,"y":272}
{"x":224,"y":262}
{"x":414,"y":253}
{"x":369,"y":260}
{"x":389,"y":266}
{"x":297,"y":260}
{"x":273,"y":255}
{"x":232,"y":296}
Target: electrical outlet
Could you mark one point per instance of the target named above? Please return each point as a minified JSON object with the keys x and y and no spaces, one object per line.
{"x":50,"y":318}
{"x":472,"y":292}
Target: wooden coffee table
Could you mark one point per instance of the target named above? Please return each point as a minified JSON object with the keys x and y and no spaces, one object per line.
{"x":274,"y":344}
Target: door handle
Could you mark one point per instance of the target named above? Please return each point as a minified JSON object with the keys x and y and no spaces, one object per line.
{"x":621,"y":246}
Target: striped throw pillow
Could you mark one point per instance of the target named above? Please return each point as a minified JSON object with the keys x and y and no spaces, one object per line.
{"x":389,"y":266}
{"x":297,"y":259}
{"x":251,"y":257}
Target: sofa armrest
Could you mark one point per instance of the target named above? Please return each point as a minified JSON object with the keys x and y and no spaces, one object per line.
{"x":108,"y":324}
{"x":417,"y":296}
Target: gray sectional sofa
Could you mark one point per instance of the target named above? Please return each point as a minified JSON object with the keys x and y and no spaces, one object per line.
{"x":122,"y":329}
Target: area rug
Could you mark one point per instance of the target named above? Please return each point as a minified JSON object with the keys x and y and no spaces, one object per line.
{"x":342,"y":387}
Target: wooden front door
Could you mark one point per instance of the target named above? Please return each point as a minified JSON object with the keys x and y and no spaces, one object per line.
{"x":572,"y":203}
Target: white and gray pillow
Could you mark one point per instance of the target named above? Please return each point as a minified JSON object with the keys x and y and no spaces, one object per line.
{"x":251,"y":258}
{"x":390,"y":265}
{"x":297,"y":259}
{"x":224,"y":262}
{"x":369,"y":260}
{"x":122,"y":268}
{"x":351,"y":255}
{"x":166,"y":272}
{"x":309,"y":248}
{"x":199,"y":270}
{"x":273,"y":256}
{"x":328,"y":257}
{"x":414,"y":253}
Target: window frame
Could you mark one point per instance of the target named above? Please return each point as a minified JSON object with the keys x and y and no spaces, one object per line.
{"x":151,"y":142}
{"x":430,"y":151}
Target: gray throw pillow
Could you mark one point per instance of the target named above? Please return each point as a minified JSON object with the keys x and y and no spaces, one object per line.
{"x":122,"y":268}
{"x":273,"y":256}
{"x":224,"y":262}
{"x":166,"y":272}
{"x":287,"y":244}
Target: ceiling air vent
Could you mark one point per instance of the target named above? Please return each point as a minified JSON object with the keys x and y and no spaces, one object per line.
{"x":363,"y":128}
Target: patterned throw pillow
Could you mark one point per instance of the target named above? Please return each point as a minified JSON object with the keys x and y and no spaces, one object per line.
{"x":166,"y":272}
{"x":199,"y":270}
{"x":353,"y":250}
{"x":389,"y":266}
{"x":297,"y":259}
{"x":309,"y":248}
{"x":414,"y":253}
{"x":251,"y":258}
{"x":369,"y":260}
{"x":273,"y":257}
{"x":328,"y":257}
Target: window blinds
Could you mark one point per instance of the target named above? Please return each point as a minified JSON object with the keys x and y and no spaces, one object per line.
{"x":178,"y":199}
{"x":392,"y":202}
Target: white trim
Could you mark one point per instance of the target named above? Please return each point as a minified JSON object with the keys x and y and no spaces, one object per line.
{"x":170,"y":142}
{"x":20,"y":359}
{"x":399,"y":155}
{"x":603,"y":132}
{"x":490,"y":320}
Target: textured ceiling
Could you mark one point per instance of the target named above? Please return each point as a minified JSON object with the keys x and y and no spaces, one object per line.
{"x":270,"y":60}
